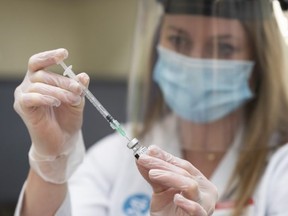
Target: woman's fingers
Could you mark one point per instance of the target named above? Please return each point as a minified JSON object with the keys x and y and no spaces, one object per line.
{"x":188,"y":187}
{"x":163,"y":175}
{"x":166,"y":172}
{"x":190,"y":207}
{"x":42,"y":60}
{"x":165,"y":156}
{"x":54,"y":85}
{"x":84,"y":79}
{"x":149,"y":162}
{"x":56,"y":92}
{"x":57,"y":80}
{"x":37,"y":100}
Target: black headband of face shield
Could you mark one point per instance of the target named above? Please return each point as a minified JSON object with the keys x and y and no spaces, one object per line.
{"x":237,"y":9}
{"x":284,"y":4}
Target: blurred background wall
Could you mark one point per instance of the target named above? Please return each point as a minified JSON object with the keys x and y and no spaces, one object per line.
{"x":98,"y":35}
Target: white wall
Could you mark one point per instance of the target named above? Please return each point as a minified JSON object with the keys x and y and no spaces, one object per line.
{"x":97,"y":33}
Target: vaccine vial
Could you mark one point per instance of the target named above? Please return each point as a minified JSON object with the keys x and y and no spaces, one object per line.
{"x":137,"y":148}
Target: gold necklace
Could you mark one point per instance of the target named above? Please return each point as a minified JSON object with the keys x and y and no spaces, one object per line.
{"x":211,"y":157}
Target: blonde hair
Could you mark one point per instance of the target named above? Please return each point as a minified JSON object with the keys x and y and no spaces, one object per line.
{"x":267,"y":115}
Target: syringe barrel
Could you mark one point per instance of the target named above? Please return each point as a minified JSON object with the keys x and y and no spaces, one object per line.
{"x":113,"y":123}
{"x":95,"y":102}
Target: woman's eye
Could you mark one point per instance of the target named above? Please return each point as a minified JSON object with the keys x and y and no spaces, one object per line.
{"x":226,"y":50}
{"x":179,"y":43}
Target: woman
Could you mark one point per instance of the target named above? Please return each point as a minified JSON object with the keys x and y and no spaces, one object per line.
{"x":217,"y":99}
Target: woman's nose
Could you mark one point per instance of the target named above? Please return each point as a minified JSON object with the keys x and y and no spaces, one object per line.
{"x":196,"y":51}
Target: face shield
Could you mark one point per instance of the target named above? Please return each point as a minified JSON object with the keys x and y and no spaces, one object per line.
{"x":200,"y":61}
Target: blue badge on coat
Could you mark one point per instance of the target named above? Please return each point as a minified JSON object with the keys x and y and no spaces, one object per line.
{"x":136,"y":205}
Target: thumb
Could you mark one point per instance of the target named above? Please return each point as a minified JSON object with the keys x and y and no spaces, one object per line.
{"x":84,"y":79}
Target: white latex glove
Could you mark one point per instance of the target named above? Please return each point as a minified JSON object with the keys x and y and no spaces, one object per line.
{"x":179,"y":189}
{"x":51,"y":107}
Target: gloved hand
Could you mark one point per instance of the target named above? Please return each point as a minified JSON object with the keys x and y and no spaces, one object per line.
{"x":179,"y":189}
{"x":51,"y":107}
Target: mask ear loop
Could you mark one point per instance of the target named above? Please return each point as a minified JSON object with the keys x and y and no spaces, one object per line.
{"x":281,"y":19}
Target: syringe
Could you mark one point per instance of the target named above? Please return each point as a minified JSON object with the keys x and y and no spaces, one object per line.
{"x":114,"y":124}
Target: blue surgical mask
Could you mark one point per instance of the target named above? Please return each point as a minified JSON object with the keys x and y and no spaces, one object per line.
{"x":202,"y":90}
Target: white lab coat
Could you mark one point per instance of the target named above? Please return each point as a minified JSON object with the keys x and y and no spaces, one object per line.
{"x":109,"y":184}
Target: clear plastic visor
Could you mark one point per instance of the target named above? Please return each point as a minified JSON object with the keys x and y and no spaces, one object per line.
{"x":199,"y":63}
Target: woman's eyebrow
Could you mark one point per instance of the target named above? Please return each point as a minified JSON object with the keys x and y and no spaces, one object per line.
{"x":178,"y":30}
{"x":226,"y":37}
